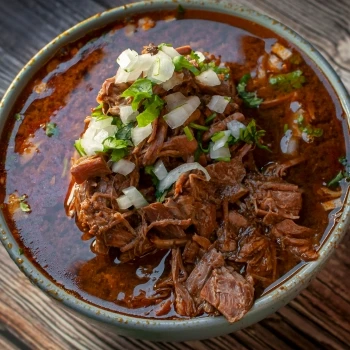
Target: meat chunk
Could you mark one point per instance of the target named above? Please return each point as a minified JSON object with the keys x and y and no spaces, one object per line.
{"x":202,"y":270}
{"x":178,"y":146}
{"x":222,"y":125}
{"x":87,"y":167}
{"x":204,"y":218}
{"x":228,"y":292}
{"x":297,"y":239}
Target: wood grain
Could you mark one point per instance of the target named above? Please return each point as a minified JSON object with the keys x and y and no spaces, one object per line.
{"x":318,"y":319}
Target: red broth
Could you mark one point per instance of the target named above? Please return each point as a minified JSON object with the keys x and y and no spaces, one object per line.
{"x":64,"y":91}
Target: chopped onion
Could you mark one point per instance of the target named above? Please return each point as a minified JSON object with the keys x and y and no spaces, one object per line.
{"x":175,"y":100}
{"x":162,"y":68}
{"x":235,"y":127}
{"x":174,"y":174}
{"x":175,"y":80}
{"x":124,"y":202}
{"x":139,"y":134}
{"x":201,"y":56}
{"x":123,"y":166}
{"x":127,"y":114}
{"x":208,"y":78}
{"x":123,"y":76}
{"x":218,"y":103}
{"x":179,"y":115}
{"x":135,"y":197}
{"x":101,"y":136}
{"x":144,"y":62}
{"x":100,"y":124}
{"x":222,"y":152}
{"x":170,"y":51}
{"x":289,"y":144}
{"x":274,"y":63}
{"x":281,"y":51}
{"x":90,"y":146}
{"x":160,"y":170}
{"x":127,"y":59}
{"x":222,"y":141}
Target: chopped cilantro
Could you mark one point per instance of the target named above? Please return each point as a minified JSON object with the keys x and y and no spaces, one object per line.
{"x":285,"y":128}
{"x":307,"y":128}
{"x":210,"y":118}
{"x":111,"y":143}
{"x":97,"y":113}
{"x":20,"y":251}
{"x":249,"y":98}
{"x":152,"y":110}
{"x":51,"y":129}
{"x":288,"y":81}
{"x":18,"y":116}
{"x":343,"y":174}
{"x":199,"y":127}
{"x":149,"y":171}
{"x":160,"y":46}
{"x":252,"y":136}
{"x":217,"y":136}
{"x":79,"y":147}
{"x":23,"y":205}
{"x":181,"y":62}
{"x":188,"y":133}
{"x":118,"y":154}
{"x":124,"y":131}
{"x":160,"y":196}
{"x":223,"y":159}
{"x":194,"y":56}
{"x":139,"y":90}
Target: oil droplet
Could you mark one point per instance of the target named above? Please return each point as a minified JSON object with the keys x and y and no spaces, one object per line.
{"x":9,"y":245}
{"x":20,"y":261}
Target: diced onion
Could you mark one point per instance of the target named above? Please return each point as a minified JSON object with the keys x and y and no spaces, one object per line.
{"x":90,"y":146}
{"x":139,"y":134}
{"x":281,"y":51}
{"x":159,"y":170}
{"x":162,"y":68}
{"x":175,"y":100}
{"x":179,"y":115}
{"x":174,"y":174}
{"x":123,"y":166}
{"x":289,"y":144}
{"x":101,"y":136}
{"x":235,"y":127}
{"x":175,"y":80}
{"x":124,"y":202}
{"x":170,"y":51}
{"x":123,"y":76}
{"x":127,"y":59}
{"x":222,"y":141}
{"x":100,"y":124}
{"x":201,"y":56}
{"x":222,"y":152}
{"x":127,"y":114}
{"x":274,"y":63}
{"x":135,"y":197}
{"x":218,"y":103}
{"x":208,"y":78}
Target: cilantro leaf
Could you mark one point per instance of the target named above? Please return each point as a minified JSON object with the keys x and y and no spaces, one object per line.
{"x":343,"y":174}
{"x":51,"y":129}
{"x":118,"y":154}
{"x":23,"y":205}
{"x":249,"y":98}
{"x":288,"y":81}
{"x":335,"y":181}
{"x":307,"y":128}
{"x":152,"y":110}
{"x":79,"y":147}
{"x":139,"y":90}
{"x":18,"y":116}
{"x":180,"y":62}
{"x":252,"y":136}
{"x":111,"y":143}
{"x":124,"y":131}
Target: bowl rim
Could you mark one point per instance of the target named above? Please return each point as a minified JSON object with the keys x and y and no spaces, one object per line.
{"x":265,"y":304}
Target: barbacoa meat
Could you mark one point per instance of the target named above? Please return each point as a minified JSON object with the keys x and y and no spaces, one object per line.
{"x":227,"y":238}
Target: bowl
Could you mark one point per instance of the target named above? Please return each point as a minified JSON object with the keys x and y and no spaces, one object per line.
{"x":279,"y":294}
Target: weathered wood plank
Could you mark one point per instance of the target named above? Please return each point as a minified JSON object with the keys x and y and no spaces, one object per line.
{"x":318,"y":319}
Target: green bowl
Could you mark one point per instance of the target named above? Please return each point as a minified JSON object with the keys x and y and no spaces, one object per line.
{"x":197,"y":328}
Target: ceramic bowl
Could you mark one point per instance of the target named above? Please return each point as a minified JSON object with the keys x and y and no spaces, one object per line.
{"x":198,"y":328}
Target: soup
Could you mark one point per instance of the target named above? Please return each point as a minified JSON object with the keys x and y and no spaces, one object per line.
{"x":283,"y":182}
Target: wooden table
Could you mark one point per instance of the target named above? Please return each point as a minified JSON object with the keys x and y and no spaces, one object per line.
{"x":318,"y":319}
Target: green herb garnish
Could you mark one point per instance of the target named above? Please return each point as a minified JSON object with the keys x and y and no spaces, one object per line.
{"x":153,"y":107}
{"x":199,"y":127}
{"x":111,"y":143}
{"x":79,"y":148}
{"x":180,"y":10}
{"x":223,"y":159}
{"x":160,"y":46}
{"x":124,"y":131}
{"x":210,"y":118}
{"x":20,"y":251}
{"x":188,"y":133}
{"x":217,"y":136}
{"x":139,"y":90}
{"x":343,"y":174}
{"x":307,"y":128}
{"x":118,"y":154}
{"x":23,"y":205}
{"x":18,"y":116}
{"x":288,"y":81}
{"x":51,"y":129}
{"x":180,"y":62}
{"x":249,"y":98}
{"x":253,"y":136}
